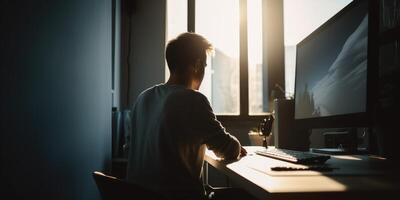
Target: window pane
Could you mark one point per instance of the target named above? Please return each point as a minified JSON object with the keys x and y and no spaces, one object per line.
{"x":302,"y":17}
{"x":176,"y":22}
{"x":254,"y":27}
{"x":218,"y":21}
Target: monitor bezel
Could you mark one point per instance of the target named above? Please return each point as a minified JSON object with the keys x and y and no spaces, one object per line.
{"x":360,"y":119}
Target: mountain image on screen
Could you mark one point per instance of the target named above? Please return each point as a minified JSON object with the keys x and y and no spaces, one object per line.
{"x":345,"y":81}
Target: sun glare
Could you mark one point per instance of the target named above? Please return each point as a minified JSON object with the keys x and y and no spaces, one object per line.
{"x":214,"y":23}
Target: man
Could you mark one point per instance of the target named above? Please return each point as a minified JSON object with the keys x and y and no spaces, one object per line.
{"x":173,"y":123}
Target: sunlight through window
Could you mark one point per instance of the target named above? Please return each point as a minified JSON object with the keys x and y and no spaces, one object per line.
{"x":176,"y":22}
{"x":218,"y":21}
{"x":254,"y":27}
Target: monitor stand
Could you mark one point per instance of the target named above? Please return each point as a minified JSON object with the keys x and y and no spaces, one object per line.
{"x":343,"y":142}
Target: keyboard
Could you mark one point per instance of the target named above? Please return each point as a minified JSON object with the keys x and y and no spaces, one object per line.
{"x":300,"y":157}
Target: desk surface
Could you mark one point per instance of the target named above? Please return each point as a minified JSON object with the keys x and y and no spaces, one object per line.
{"x":356,"y":177}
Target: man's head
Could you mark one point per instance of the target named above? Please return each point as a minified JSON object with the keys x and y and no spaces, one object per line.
{"x":186,"y":56}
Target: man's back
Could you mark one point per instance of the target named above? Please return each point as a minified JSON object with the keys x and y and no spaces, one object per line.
{"x":171,"y":127}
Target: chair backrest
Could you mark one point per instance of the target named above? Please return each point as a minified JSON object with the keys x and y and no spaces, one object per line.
{"x":117,"y":189}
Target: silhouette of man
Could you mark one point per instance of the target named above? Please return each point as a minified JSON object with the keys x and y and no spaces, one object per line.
{"x":173,"y":123}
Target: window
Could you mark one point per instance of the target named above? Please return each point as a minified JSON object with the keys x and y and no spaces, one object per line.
{"x":255,"y":64}
{"x":302,"y":17}
{"x":218,"y":21}
{"x":235,"y":79}
{"x":176,"y":22}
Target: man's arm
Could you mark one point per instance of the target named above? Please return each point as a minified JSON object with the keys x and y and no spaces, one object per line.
{"x":212,"y":133}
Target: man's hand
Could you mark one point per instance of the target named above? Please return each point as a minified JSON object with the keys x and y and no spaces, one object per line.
{"x":243,"y":152}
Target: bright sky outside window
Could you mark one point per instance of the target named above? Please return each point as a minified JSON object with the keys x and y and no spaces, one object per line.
{"x":218,"y":21}
{"x":176,"y":22}
{"x":255,"y":52}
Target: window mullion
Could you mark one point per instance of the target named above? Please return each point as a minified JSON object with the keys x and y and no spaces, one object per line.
{"x":274,"y":56}
{"x":244,"y":82}
{"x":191,"y":15}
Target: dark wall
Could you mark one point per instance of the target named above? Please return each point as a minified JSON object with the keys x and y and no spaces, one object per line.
{"x":55,"y":87}
{"x":146,"y":56}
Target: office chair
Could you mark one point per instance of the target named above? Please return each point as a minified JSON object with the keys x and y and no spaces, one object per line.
{"x":112,"y":188}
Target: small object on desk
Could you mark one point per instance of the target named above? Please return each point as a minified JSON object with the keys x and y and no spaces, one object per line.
{"x":312,"y":168}
{"x":265,"y":127}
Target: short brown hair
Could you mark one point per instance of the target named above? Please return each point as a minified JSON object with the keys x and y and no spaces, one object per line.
{"x":184,"y":50}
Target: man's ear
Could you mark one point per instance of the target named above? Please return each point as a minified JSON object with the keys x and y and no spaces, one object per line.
{"x":197,"y":66}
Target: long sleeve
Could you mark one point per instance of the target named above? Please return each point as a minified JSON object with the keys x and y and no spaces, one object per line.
{"x":211,"y":132}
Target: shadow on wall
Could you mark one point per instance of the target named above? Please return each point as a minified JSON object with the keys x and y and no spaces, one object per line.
{"x":56,"y":99}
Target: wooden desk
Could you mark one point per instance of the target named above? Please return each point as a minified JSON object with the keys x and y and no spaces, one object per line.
{"x":358,"y":177}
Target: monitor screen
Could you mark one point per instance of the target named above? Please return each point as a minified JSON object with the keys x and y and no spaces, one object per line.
{"x":331,"y":66}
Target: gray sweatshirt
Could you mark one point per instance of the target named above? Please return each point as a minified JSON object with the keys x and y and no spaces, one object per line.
{"x":171,"y":128}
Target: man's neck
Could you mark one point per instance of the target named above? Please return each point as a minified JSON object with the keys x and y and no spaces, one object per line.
{"x":177,"y":80}
{"x":181,"y":80}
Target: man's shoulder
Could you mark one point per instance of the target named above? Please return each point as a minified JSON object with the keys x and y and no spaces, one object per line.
{"x":147,"y":93}
{"x":191,"y":94}
{"x":148,"y":90}
{"x":199,"y":96}
{"x":174,"y":93}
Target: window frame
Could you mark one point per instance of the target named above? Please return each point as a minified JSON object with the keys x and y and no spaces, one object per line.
{"x":272,"y":20}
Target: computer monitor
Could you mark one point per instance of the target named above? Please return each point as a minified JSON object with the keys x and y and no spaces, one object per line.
{"x":331,"y":72}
